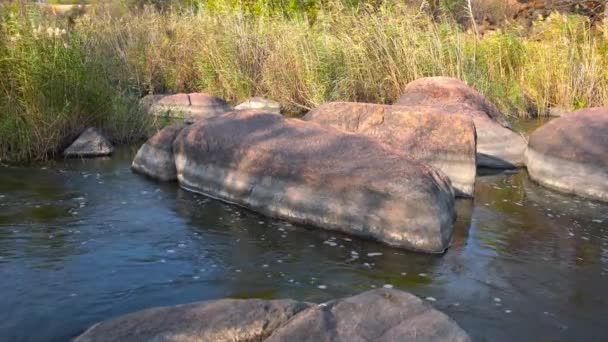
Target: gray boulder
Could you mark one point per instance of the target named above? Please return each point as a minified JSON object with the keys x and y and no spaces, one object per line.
{"x":378,"y":315}
{"x":497,"y":145}
{"x":189,"y":107}
{"x":447,"y":143}
{"x":260,"y":103}
{"x":318,"y":175}
{"x":216,"y":320}
{"x":90,"y":143}
{"x":155,"y":157}
{"x":570,"y":154}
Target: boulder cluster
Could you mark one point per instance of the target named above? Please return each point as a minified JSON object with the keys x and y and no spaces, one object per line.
{"x":384,"y":172}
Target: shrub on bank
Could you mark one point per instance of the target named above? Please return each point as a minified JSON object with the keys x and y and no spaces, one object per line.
{"x":52,"y":87}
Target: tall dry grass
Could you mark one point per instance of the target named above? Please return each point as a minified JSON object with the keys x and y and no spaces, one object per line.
{"x":341,"y":54}
{"x":358,"y":56}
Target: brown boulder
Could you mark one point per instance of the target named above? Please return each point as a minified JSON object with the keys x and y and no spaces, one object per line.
{"x":447,"y":143}
{"x":497,"y":145}
{"x":570,"y":154}
{"x":90,"y":143}
{"x":155,"y":157}
{"x":312,"y":174}
{"x":190,"y":107}
{"x":378,"y":315}
{"x":451,"y":94}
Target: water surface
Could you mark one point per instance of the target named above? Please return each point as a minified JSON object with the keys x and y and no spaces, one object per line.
{"x":85,"y":240}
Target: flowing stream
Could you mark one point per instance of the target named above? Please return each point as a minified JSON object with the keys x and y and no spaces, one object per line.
{"x":85,"y":240}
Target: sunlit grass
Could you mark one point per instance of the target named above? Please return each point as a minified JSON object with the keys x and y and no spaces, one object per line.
{"x":94,"y":72}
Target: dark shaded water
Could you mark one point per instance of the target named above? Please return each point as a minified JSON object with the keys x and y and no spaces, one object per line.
{"x":86,"y":240}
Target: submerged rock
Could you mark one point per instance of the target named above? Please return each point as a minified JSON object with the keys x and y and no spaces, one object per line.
{"x":261,"y":104}
{"x":155,"y":157}
{"x":570,"y":154}
{"x":312,"y":174}
{"x":497,"y":145}
{"x":377,"y":315}
{"x":447,"y":143}
{"x":90,"y":143}
{"x":190,"y":107}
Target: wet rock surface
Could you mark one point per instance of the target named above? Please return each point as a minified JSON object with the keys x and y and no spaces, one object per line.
{"x":189,"y":107}
{"x":90,"y":143}
{"x":307,"y":173}
{"x":155,"y":157}
{"x":497,"y":145}
{"x":570,"y":154}
{"x":447,"y":143}
{"x":377,"y":315}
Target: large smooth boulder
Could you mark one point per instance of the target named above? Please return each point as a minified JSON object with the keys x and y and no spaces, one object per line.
{"x":447,"y":143}
{"x":377,"y":315}
{"x":312,"y":174}
{"x":90,"y":143}
{"x":570,"y":154}
{"x":497,"y":145}
{"x":260,"y":103}
{"x":155,"y":158}
{"x":190,"y":107}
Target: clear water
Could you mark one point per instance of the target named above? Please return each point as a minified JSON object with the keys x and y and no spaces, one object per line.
{"x":85,"y":240}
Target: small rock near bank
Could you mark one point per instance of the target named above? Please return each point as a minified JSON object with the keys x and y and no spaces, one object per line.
{"x":90,"y":143}
{"x":189,"y":107}
{"x":260,"y":103}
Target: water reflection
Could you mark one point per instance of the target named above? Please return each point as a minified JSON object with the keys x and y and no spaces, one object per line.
{"x":85,"y":240}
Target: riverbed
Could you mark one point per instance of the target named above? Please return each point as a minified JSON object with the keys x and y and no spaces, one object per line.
{"x":86,"y":240}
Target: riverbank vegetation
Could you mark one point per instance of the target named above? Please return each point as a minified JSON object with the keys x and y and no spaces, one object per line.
{"x":61,"y":73}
